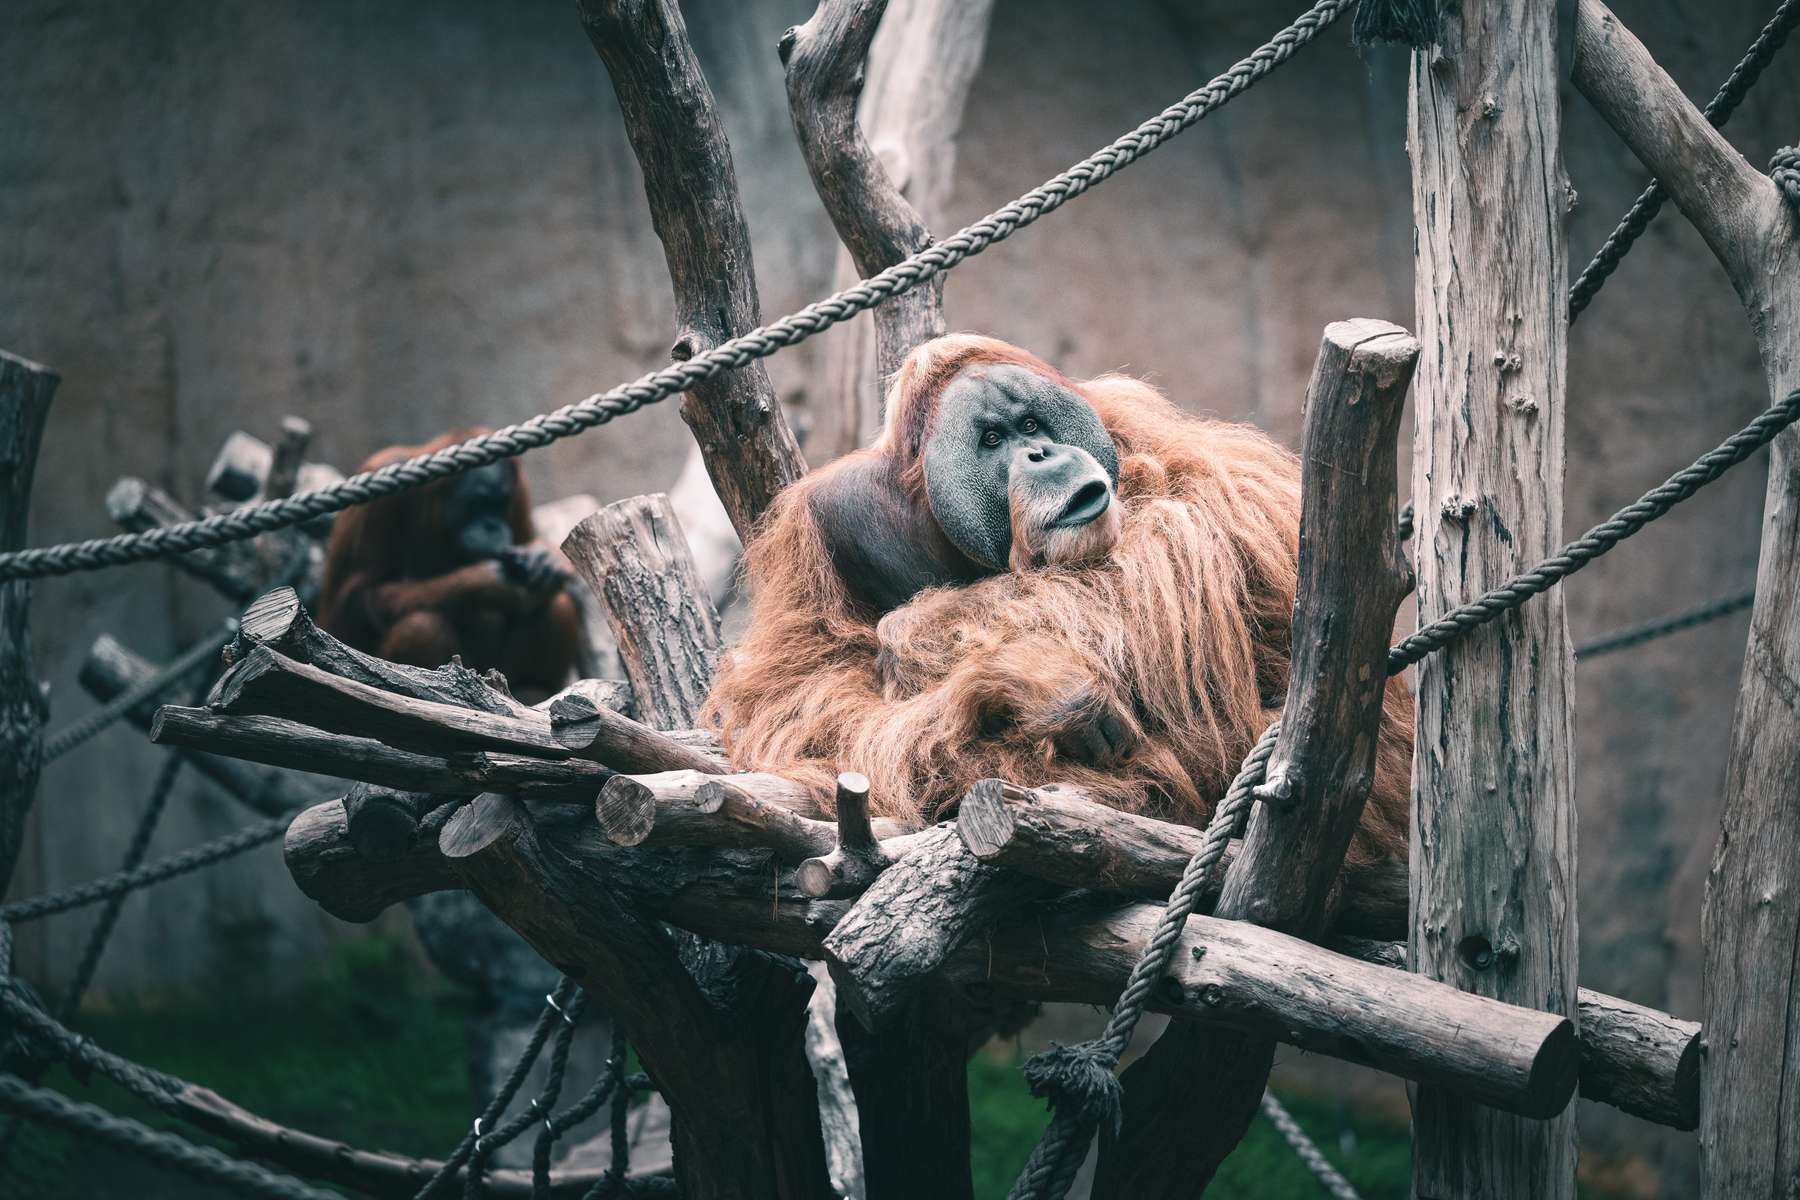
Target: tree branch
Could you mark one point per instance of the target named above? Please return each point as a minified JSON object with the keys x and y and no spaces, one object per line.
{"x":1733,"y":205}
{"x":692,"y":189}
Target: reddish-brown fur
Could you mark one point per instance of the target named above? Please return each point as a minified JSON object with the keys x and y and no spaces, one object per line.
{"x":395,"y":586}
{"x":1182,"y":629}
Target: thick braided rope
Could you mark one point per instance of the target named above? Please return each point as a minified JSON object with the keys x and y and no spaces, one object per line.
{"x":620,"y":1165}
{"x":190,"y":660}
{"x":1784,"y":169}
{"x":203,"y":855}
{"x":1057,"y":1156}
{"x":515,"y":1079}
{"x":38,"y":1104}
{"x":486,"y":1145}
{"x":154,"y":806}
{"x":1718,"y":110}
{"x":612,"y":1082}
{"x":1600,"y":539}
{"x":1649,"y":631}
{"x":759,"y":343}
{"x":1306,"y":1149}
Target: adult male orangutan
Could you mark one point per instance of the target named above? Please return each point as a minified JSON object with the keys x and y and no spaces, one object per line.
{"x":1039,"y":579}
{"x":452,"y":568}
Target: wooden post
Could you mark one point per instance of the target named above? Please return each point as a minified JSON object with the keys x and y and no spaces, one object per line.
{"x":1750,"y":974}
{"x":876,"y":92}
{"x":692,"y":188}
{"x":1352,"y":579}
{"x":26,"y":390}
{"x":1493,"y":847}
{"x":635,"y":558}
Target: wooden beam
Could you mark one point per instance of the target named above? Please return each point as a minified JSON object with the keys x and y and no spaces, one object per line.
{"x":1750,"y":975}
{"x":636,"y":559}
{"x":692,"y":188}
{"x":1352,"y":580}
{"x":26,"y":390}
{"x":231,"y":569}
{"x":1493,"y":866}
{"x":1224,"y":971}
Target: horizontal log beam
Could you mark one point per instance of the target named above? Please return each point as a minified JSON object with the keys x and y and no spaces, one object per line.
{"x":1633,"y":1058}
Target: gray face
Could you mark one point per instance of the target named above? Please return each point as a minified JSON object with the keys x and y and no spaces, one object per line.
{"x":1002,"y":427}
{"x":476,"y":511}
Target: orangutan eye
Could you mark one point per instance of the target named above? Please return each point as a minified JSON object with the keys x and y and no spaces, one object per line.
{"x":991,"y":438}
{"x":1030,"y":425}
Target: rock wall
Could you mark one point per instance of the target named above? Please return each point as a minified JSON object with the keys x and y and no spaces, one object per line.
{"x":392,"y":218}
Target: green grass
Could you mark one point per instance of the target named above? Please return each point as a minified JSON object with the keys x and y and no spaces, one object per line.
{"x":369,"y":1050}
{"x":1008,"y":1120}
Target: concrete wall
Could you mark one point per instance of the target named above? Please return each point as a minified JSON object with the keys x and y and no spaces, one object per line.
{"x":391,"y":218}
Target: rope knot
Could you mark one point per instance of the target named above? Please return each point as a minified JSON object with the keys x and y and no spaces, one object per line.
{"x":1784,"y":169}
{"x":1080,"y":1079}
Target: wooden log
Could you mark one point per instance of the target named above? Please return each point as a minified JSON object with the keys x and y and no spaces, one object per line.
{"x":282,"y":743}
{"x":1241,"y":974}
{"x":692,"y":189}
{"x":914,"y":916}
{"x":588,"y":729}
{"x":1493,"y":870}
{"x":1750,"y":976}
{"x":284,"y":464}
{"x":1351,"y":582}
{"x":635,"y":557}
{"x":382,"y":821}
{"x":241,"y":467}
{"x":26,"y":391}
{"x":677,"y":808}
{"x":1636,"y":1059}
{"x":1055,"y":834}
{"x":230,"y":569}
{"x":327,"y":866}
{"x":110,"y":668}
{"x":864,"y":849}
{"x":572,"y":779}
{"x":266,"y":682}
{"x":613,"y":695}
{"x":278,"y":620}
{"x":719,"y":1055}
{"x":902,"y":73}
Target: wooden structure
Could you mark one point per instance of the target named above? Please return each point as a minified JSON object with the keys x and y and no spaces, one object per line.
{"x":612,"y":836}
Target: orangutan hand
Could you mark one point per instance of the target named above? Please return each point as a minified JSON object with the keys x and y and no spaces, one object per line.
{"x":1089,"y":729}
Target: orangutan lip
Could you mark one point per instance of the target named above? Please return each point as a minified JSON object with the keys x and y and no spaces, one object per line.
{"x":1089,"y":501}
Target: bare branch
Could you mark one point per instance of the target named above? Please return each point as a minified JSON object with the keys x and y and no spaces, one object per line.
{"x":692,"y":189}
{"x":1733,"y":205}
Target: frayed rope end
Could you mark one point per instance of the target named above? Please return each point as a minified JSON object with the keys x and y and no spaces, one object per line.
{"x":1079,"y":1078}
{"x":1404,"y":22}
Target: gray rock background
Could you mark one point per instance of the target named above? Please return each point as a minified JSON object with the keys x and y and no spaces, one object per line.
{"x":395,"y":217}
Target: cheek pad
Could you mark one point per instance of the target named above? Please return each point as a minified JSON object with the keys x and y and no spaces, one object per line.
{"x":967,"y":492}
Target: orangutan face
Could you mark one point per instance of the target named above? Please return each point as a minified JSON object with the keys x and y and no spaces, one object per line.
{"x":1014,"y":458}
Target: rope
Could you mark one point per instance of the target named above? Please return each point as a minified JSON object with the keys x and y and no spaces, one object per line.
{"x":602,"y":408}
{"x":485,"y":1146}
{"x":190,"y":660}
{"x":1784,"y":169}
{"x":1600,"y":539}
{"x":620,"y":1163}
{"x":1308,"y":1151}
{"x":1718,"y":110}
{"x":203,"y":855}
{"x":553,"y":1007}
{"x":1649,"y":631}
{"x":18,"y":1097}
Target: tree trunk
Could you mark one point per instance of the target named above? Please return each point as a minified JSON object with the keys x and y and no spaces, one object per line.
{"x":26,"y":390}
{"x":1493,"y":847}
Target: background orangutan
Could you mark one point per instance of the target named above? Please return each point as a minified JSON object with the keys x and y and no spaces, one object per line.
{"x":1042,"y":580}
{"x":453,"y":568}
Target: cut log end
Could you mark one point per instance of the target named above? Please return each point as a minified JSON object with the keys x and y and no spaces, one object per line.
{"x":488,"y":819}
{"x":1554,"y":1073}
{"x":626,"y":810}
{"x":984,"y":821}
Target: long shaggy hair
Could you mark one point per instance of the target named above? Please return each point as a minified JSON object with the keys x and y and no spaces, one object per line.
{"x":1182,"y":629}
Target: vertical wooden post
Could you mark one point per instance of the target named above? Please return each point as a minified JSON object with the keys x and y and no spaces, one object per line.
{"x":26,"y":390}
{"x":633,"y":556}
{"x":1493,"y":846}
